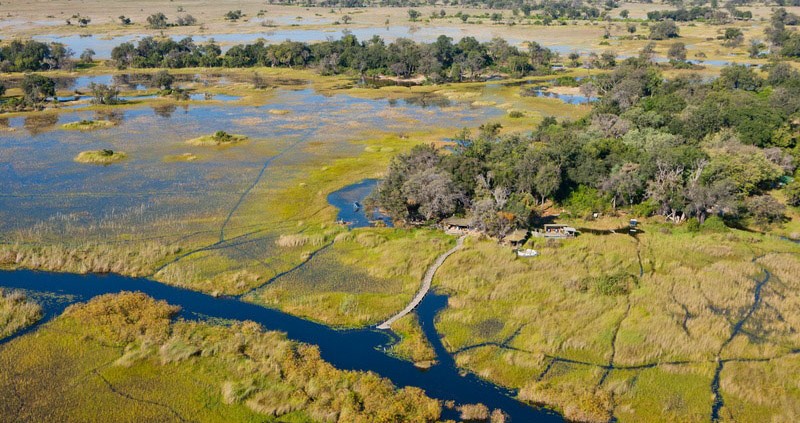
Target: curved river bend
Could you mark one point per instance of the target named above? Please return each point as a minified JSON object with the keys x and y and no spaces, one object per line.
{"x":346,"y":349}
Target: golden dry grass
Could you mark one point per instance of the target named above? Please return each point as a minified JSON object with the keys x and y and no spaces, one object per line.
{"x":121,"y":357}
{"x":543,"y":324}
{"x":16,"y":312}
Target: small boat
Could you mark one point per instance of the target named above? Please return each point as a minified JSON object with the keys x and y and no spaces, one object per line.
{"x":527,"y":253}
{"x":356,"y":205}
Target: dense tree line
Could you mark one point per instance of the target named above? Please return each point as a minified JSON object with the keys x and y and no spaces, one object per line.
{"x":681,"y":148}
{"x":701,"y":13}
{"x":30,"y":55}
{"x":440,"y":60}
{"x":784,"y":41}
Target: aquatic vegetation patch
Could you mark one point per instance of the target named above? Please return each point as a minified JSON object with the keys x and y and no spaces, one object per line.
{"x":218,"y":139}
{"x":413,"y":345}
{"x":88,"y":125}
{"x":16,"y":312}
{"x":184,"y":157}
{"x":102,"y":157}
{"x":378,"y":149}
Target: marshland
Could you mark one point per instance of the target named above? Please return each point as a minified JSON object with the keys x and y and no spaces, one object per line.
{"x":207,"y":208}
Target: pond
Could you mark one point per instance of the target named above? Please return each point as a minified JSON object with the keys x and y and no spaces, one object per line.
{"x":361,"y":350}
{"x":566,"y":98}
{"x":350,"y":202}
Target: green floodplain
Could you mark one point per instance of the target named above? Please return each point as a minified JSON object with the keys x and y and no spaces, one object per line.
{"x":221,"y":184}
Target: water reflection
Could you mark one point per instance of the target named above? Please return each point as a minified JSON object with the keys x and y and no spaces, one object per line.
{"x":164,"y":110}
{"x":40,"y":122}
{"x":115,"y":116}
{"x":429,"y":100}
{"x":566,"y":98}
{"x":353,"y":212}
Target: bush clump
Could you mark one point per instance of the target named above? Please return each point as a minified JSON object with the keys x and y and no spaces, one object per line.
{"x":104,"y":157}
{"x":219,"y":138}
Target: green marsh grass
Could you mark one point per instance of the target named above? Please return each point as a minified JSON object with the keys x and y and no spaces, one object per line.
{"x":101,"y":157}
{"x":362,"y":278}
{"x":88,"y":125}
{"x":413,"y":345}
{"x":547,"y":332}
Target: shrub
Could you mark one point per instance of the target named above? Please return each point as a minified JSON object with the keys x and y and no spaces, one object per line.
{"x":714,"y":224}
{"x":474,"y":412}
{"x":613,"y":284}
{"x":156,"y":21}
{"x":233,"y":15}
{"x":693,"y":225}
{"x":793,"y":193}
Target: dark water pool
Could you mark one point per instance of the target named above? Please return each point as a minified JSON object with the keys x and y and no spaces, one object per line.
{"x":345,"y":349}
{"x":350,"y":202}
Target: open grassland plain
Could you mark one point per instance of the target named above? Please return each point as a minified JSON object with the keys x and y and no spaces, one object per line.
{"x":665,"y":324}
{"x":16,"y":312}
{"x":124,"y":358}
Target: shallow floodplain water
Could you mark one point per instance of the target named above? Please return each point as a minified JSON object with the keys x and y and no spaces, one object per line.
{"x":39,"y":179}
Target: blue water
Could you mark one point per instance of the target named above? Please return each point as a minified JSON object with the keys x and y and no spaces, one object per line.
{"x":345,"y":200}
{"x":566,"y":98}
{"x":40,"y":182}
{"x":360,"y":350}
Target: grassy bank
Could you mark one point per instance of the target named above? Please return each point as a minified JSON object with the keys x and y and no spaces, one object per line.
{"x":121,"y":357}
{"x":413,"y":344}
{"x":16,"y":312}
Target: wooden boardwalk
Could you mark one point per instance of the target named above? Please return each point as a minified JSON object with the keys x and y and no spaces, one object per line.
{"x":426,"y":285}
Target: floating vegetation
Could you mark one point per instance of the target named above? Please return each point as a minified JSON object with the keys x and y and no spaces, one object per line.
{"x":185,"y":157}
{"x":88,"y":125}
{"x":104,"y":157}
{"x":219,"y":138}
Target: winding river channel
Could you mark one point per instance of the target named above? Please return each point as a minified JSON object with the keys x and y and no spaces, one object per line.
{"x":346,"y":349}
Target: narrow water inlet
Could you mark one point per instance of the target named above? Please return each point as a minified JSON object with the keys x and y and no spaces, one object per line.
{"x":360,"y":350}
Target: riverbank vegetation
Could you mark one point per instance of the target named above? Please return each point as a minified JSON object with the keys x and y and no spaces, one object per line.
{"x":16,"y":312}
{"x":682,"y":149}
{"x":413,"y":344}
{"x":123,"y":357}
